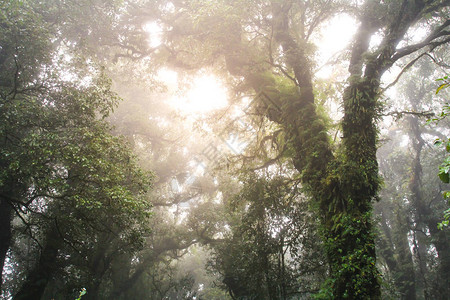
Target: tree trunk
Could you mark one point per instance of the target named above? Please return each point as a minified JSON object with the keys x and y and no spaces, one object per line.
{"x":342,"y":187}
{"x":396,"y":252}
{"x":440,"y":241}
{"x":99,"y":264}
{"x":5,"y":233}
{"x":420,"y":252}
{"x":425,"y":217}
{"x":405,"y":274}
{"x":350,"y":241}
{"x":37,"y":280}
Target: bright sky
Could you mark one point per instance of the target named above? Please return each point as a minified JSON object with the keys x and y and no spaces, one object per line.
{"x":206,"y":93}
{"x":154,"y":32}
{"x":334,"y":37}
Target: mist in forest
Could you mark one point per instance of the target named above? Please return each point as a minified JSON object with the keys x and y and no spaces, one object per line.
{"x":244,"y":149}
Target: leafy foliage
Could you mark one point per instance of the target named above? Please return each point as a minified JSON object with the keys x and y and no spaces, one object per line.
{"x":66,"y":182}
{"x":444,"y":168}
{"x":270,"y":243}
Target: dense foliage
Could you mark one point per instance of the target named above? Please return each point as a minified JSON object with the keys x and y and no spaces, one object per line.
{"x":71,"y":192}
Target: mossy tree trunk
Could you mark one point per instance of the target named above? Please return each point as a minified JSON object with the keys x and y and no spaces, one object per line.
{"x":343,"y":185}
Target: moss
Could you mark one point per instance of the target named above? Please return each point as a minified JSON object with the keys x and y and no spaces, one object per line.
{"x":343,"y":185}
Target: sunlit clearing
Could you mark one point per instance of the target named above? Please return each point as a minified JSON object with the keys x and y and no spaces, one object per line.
{"x":206,"y":94}
{"x":335,"y":37}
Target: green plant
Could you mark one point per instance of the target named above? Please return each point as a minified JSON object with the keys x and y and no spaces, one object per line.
{"x":444,"y":168}
{"x":445,"y":83}
{"x":82,"y":293}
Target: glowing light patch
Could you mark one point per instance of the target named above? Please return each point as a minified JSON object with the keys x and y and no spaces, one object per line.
{"x":334,"y":37}
{"x":169,"y":78}
{"x":154,"y":31}
{"x":206,"y":94}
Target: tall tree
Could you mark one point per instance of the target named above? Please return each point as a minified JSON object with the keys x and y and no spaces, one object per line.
{"x":259,"y":42}
{"x":64,"y":175}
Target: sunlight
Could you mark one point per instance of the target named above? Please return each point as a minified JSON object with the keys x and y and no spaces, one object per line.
{"x":154,"y":31}
{"x":169,"y":78}
{"x":337,"y":34}
{"x":206,"y":94}
{"x":334,"y":38}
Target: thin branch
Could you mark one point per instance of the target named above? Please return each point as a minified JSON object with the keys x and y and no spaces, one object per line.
{"x":405,"y":68}
{"x":285,"y":73}
{"x":322,"y":16}
{"x":399,"y":114}
{"x":63,"y":238}
{"x":27,"y":225}
{"x":177,"y":200}
{"x":440,"y":63}
{"x":270,"y":161}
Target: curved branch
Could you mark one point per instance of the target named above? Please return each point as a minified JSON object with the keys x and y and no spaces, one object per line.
{"x":411,"y":63}
{"x":400,"y":114}
{"x":28,"y":227}
{"x":405,"y":68}
{"x":438,"y":62}
{"x":438,"y":32}
{"x":269,"y":162}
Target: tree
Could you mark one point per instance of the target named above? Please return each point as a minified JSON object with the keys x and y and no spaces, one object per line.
{"x":270,"y":250}
{"x":65,"y":178}
{"x":444,"y":168}
{"x":256,"y":44}
{"x":409,"y":239}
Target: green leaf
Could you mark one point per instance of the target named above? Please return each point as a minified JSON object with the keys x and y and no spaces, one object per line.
{"x":444,"y":85}
{"x":444,"y":177}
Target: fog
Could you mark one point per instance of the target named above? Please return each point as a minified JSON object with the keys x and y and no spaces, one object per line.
{"x":224,"y":149}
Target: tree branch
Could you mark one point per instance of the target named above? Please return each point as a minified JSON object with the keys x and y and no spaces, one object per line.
{"x":438,"y":32}
{"x":285,"y":73}
{"x":399,"y":114}
{"x":405,"y":68}
{"x":28,"y":226}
